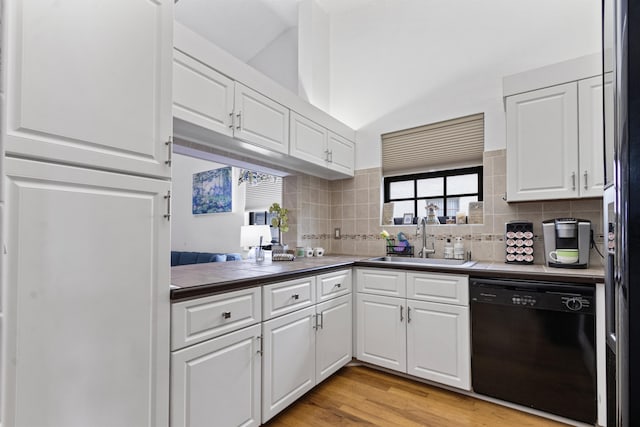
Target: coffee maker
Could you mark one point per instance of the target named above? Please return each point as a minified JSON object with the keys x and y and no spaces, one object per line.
{"x":568,"y":234}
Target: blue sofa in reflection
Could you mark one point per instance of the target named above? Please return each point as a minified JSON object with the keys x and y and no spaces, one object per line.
{"x":184,"y":258}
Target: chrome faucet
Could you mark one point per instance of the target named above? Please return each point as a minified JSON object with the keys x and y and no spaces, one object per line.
{"x":424,"y":252}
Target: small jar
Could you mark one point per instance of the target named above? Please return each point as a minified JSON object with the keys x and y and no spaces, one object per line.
{"x":300,"y":252}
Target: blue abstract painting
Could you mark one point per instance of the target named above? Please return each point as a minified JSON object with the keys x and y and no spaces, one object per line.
{"x":211,"y":191}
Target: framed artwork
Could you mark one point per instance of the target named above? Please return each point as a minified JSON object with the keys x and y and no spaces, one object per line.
{"x":211,"y":191}
{"x":407,"y":218}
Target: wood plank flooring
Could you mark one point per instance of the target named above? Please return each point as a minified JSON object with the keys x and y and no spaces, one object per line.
{"x":359,"y":395}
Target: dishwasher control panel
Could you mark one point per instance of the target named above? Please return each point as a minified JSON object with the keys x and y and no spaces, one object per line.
{"x":533,"y":295}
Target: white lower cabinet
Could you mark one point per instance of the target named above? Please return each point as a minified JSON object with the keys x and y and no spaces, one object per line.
{"x":333,"y":336}
{"x":438,"y":346}
{"x":217,"y":382}
{"x":289,"y":360}
{"x":381,"y":331}
{"x":423,"y":337}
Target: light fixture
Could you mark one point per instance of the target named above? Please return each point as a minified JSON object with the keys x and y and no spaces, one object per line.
{"x":255,"y":178}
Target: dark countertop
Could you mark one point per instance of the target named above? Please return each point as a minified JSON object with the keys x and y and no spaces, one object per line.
{"x":197,"y":280}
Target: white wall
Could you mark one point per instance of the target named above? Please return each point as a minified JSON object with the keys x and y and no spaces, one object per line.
{"x":219,"y":232}
{"x":313,"y":54}
{"x":404,"y":63}
{"x":279,"y":60}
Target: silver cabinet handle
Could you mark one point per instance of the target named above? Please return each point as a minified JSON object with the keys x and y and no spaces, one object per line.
{"x":239,"y":116}
{"x":331,"y":156}
{"x":401,"y":318}
{"x":167,"y":197}
{"x":338,"y":285}
{"x":231,"y":120}
{"x":326,"y":155}
{"x":573,"y":179}
{"x":408,"y":314}
{"x":315,"y":323}
{"x":322,"y":320}
{"x":169,"y":145}
{"x":259,"y":338}
{"x":586,"y":187}
{"x":226,"y":315}
{"x":295,"y":296}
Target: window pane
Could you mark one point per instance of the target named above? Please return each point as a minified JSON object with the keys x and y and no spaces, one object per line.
{"x":431,"y":187}
{"x":462,"y":184}
{"x":459,"y":204}
{"x":422,"y":204}
{"x":401,"y":190}
{"x":401,"y":208}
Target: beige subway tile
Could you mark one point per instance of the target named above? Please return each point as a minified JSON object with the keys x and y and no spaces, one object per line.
{"x":494,"y":153}
{"x":556,"y":206}
{"x":349,"y":197}
{"x":529,"y":207}
{"x":349,"y":211}
{"x":362,"y":196}
{"x":502,"y":207}
{"x":336,"y":198}
{"x":487,"y":186}
{"x":336,"y":212}
{"x":335,"y":247}
{"x":362,"y":181}
{"x":349,"y":247}
{"x":362,"y":212}
{"x":374,"y":212}
{"x":586,"y":205}
{"x":349,"y":184}
{"x":499,"y":165}
{"x":375,"y":180}
{"x":348,"y":226}
{"x":499,"y":184}
{"x":362,"y":227}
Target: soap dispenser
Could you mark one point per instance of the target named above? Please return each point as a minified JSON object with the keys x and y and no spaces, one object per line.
{"x":458,"y":248}
{"x":448,"y":249}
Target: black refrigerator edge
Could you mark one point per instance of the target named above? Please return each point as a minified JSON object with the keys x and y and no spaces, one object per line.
{"x":621,"y":82}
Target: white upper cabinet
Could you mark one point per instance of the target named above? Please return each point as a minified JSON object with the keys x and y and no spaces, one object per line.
{"x":259,"y":120}
{"x":316,"y":144}
{"x":89,"y":83}
{"x":308,"y":140}
{"x":201,"y":95}
{"x":554,"y":131}
{"x":542,"y":144}
{"x":342,"y":154}
{"x":591,"y":135}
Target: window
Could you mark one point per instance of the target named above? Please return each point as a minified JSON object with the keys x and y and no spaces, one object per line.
{"x":450,"y":190}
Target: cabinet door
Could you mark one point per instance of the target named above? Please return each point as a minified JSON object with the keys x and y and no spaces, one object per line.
{"x":308,"y":140}
{"x":289,"y":360}
{"x":260,"y":121}
{"x":381,"y":281}
{"x":89,"y":83}
{"x":341,"y":154}
{"x":591,"y":136}
{"x":333,"y":336}
{"x":217,"y":382}
{"x":381,"y":332}
{"x":201,"y":95}
{"x":438,"y":337}
{"x":542,"y":134}
{"x":87,"y":297}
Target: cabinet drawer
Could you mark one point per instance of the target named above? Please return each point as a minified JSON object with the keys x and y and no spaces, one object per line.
{"x":382,"y":282}
{"x":285,"y":297}
{"x":442,"y":288}
{"x":331,"y":285}
{"x":197,"y":320}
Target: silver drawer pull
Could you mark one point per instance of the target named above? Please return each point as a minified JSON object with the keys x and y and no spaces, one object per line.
{"x":295,"y":296}
{"x":338,"y":285}
{"x":226,"y":314}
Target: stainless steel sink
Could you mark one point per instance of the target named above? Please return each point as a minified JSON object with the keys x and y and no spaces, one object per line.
{"x":423,"y":261}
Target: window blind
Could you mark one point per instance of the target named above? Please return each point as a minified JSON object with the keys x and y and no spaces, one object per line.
{"x":444,"y":144}
{"x":260,"y":196}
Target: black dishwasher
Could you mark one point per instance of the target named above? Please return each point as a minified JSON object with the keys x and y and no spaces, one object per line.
{"x":533,"y":343}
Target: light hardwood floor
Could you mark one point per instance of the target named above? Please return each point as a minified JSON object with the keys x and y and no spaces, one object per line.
{"x":358,"y":395}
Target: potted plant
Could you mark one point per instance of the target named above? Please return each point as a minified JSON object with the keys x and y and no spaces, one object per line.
{"x":281,"y":221}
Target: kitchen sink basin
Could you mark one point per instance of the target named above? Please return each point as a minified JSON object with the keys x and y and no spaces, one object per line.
{"x":423,"y":261}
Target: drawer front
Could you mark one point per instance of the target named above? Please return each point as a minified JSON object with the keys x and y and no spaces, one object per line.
{"x":200,"y":319}
{"x":285,"y":297}
{"x":442,"y":288}
{"x":334,"y":284}
{"x":382,"y":282}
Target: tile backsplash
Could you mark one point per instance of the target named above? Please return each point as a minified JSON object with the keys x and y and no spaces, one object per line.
{"x":317,"y":207}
